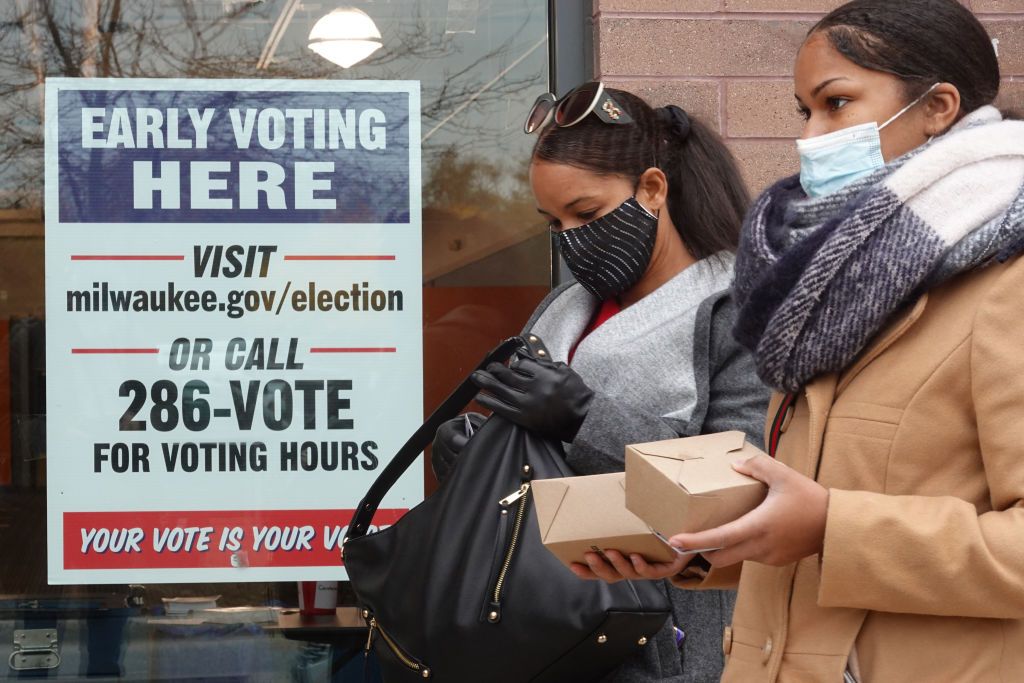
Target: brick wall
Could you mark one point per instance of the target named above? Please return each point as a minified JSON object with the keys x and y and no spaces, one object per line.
{"x":730,"y":62}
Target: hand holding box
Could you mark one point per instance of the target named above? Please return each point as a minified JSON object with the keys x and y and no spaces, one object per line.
{"x":687,"y":485}
{"x":577,"y":515}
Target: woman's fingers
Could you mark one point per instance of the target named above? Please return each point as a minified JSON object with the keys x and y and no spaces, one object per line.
{"x":498,"y":407}
{"x":612,"y":566}
{"x":743,"y":530}
{"x":622,"y":565}
{"x":602,"y":569}
{"x":727,"y":557}
{"x":493,"y":386}
{"x":514,"y":377}
{"x":583,"y":571}
{"x":657,"y":570}
{"x":728,"y":535}
{"x":763,"y":468}
{"x":788,"y":526}
{"x":529,"y":367}
{"x":488,"y":382}
{"x":450,"y":434}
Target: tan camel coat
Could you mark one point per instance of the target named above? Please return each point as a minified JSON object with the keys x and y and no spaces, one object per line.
{"x":921,"y":443}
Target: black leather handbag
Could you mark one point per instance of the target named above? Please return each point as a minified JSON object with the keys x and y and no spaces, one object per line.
{"x":461,"y":588}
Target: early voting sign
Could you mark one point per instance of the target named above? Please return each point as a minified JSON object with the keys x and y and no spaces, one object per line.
{"x":233,"y":295}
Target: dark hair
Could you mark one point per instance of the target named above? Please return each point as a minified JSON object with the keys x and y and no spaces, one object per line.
{"x":706,"y":195}
{"x":921,"y":42}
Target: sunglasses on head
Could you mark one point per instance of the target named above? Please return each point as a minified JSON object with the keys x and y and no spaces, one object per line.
{"x":577,"y":104}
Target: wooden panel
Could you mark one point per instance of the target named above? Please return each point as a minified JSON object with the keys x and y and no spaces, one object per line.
{"x":21,"y":223}
{"x":21,"y":277}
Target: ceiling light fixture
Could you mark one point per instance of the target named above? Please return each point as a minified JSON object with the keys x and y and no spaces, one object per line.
{"x":346,"y":36}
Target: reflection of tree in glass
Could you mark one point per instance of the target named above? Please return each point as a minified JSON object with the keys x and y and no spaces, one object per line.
{"x":473,"y":208}
{"x":469,"y":186}
{"x":187,"y":39}
{"x":463,"y":164}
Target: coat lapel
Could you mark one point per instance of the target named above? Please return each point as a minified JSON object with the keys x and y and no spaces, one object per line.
{"x":887,"y":338}
{"x":820,"y":394}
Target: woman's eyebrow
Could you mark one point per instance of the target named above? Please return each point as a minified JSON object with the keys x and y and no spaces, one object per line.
{"x":577,"y":201}
{"x":567,"y":206}
{"x":821,"y":86}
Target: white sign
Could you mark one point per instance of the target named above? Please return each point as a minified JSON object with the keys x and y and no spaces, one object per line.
{"x":233,"y":312}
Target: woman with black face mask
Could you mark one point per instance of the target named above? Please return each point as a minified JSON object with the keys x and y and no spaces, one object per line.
{"x":645,"y":205}
{"x":880,"y":293}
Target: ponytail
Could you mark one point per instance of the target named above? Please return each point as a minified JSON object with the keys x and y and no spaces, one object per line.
{"x":706,"y":191}
{"x":706,"y":195}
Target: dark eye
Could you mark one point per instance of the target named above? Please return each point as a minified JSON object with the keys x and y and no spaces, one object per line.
{"x":837,"y":103}
{"x":554,"y":226}
{"x":804,"y":113}
{"x":586,"y":215}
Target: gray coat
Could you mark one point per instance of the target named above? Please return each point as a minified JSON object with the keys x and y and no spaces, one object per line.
{"x":729,"y":396}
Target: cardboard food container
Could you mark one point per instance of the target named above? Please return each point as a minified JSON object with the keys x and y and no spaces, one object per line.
{"x":583,"y":514}
{"x":687,"y":485}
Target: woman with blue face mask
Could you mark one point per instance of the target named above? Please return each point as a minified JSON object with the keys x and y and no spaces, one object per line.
{"x":645,"y":205}
{"x":880,"y":293}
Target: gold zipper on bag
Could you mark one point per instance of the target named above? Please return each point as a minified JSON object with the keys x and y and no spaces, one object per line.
{"x":393,"y":646}
{"x":513,"y":497}
{"x":521,"y":496}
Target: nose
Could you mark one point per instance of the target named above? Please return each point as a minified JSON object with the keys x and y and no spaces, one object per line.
{"x":813,"y":128}
{"x":568,"y":224}
{"x":810,"y":131}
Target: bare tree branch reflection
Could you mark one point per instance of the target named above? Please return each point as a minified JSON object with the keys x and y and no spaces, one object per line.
{"x":474,"y":172}
{"x":197,"y":39}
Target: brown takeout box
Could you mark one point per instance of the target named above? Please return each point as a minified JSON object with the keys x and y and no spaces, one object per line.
{"x":583,"y":514}
{"x":688,"y":485}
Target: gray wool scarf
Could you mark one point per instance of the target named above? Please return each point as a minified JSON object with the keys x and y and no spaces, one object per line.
{"x":816,"y":279}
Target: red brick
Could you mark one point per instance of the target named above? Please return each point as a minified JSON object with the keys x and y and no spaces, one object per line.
{"x":761,"y":109}
{"x":1010,"y":35}
{"x":1011,"y":97}
{"x":657,"y":5}
{"x":821,"y":6}
{"x":765,"y":161}
{"x":696,"y":47}
{"x":700,"y":98}
{"x":1003,"y":6}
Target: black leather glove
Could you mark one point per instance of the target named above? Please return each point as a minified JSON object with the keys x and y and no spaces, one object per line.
{"x":450,"y":439}
{"x":544,"y":397}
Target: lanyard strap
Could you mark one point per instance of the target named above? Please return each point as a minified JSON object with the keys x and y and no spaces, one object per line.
{"x":779,"y":423}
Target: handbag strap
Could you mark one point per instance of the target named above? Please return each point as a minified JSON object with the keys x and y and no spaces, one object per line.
{"x":407,"y":454}
{"x":786,"y":407}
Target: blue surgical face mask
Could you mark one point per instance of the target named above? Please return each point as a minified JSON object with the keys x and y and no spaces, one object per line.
{"x":828,"y":163}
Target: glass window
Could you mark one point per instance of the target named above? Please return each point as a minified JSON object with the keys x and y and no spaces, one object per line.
{"x":486,"y":263}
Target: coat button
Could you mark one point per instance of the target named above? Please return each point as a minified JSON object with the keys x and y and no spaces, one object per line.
{"x":766,"y":651}
{"x":727,"y":640}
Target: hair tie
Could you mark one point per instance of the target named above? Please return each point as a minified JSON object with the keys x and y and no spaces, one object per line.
{"x":678,"y":120}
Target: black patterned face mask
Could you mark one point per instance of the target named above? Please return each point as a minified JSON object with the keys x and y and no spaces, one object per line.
{"x":610,"y":254}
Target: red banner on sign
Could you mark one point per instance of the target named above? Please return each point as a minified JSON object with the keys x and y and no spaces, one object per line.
{"x":208,"y":539}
